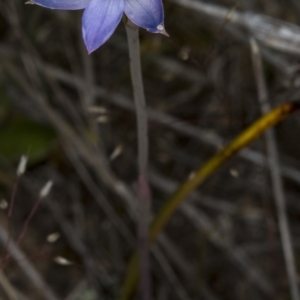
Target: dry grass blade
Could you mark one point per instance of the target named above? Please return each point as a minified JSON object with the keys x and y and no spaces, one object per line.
{"x":171,"y":205}
{"x":277,"y":184}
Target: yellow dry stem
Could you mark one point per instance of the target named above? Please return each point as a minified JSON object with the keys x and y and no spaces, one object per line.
{"x":204,"y":172}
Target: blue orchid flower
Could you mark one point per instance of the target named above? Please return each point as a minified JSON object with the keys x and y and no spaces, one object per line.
{"x":101,"y":17}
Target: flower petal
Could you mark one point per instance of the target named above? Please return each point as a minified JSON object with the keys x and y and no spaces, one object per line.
{"x":148,"y":14}
{"x":61,"y":4}
{"x":99,"y":21}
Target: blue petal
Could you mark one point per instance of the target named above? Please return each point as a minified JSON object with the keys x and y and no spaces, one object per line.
{"x":61,"y":4}
{"x":99,"y":21}
{"x":148,"y":14}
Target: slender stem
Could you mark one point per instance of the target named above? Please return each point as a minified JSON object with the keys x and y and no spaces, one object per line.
{"x":139,"y":96}
{"x":28,"y":219}
{"x":9,"y":217}
{"x":24,"y":229}
{"x":144,"y":194}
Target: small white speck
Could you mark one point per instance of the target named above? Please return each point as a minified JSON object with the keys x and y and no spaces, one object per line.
{"x":103,"y":119}
{"x":53,"y":237}
{"x":62,"y":261}
{"x":22,"y":165}
{"x":3,"y":204}
{"x":97,"y":110}
{"x":192,"y":175}
{"x":184,"y":53}
{"x":234,"y":173}
{"x":46,"y":189}
{"x":117,"y":151}
{"x":254,"y":46}
{"x":160,"y":27}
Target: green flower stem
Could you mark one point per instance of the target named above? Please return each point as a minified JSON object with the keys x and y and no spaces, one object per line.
{"x":144,"y":195}
{"x":247,"y":136}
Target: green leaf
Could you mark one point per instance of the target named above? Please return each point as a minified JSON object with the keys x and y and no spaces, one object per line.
{"x":24,"y":137}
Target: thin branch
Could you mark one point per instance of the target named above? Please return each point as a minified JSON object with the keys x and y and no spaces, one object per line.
{"x":164,"y":119}
{"x":99,"y":197}
{"x":96,"y":160}
{"x":271,"y":32}
{"x":202,"y":222}
{"x":26,"y":266}
{"x":171,"y":276}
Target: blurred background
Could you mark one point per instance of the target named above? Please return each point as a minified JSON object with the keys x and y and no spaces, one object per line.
{"x":73,"y":116}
